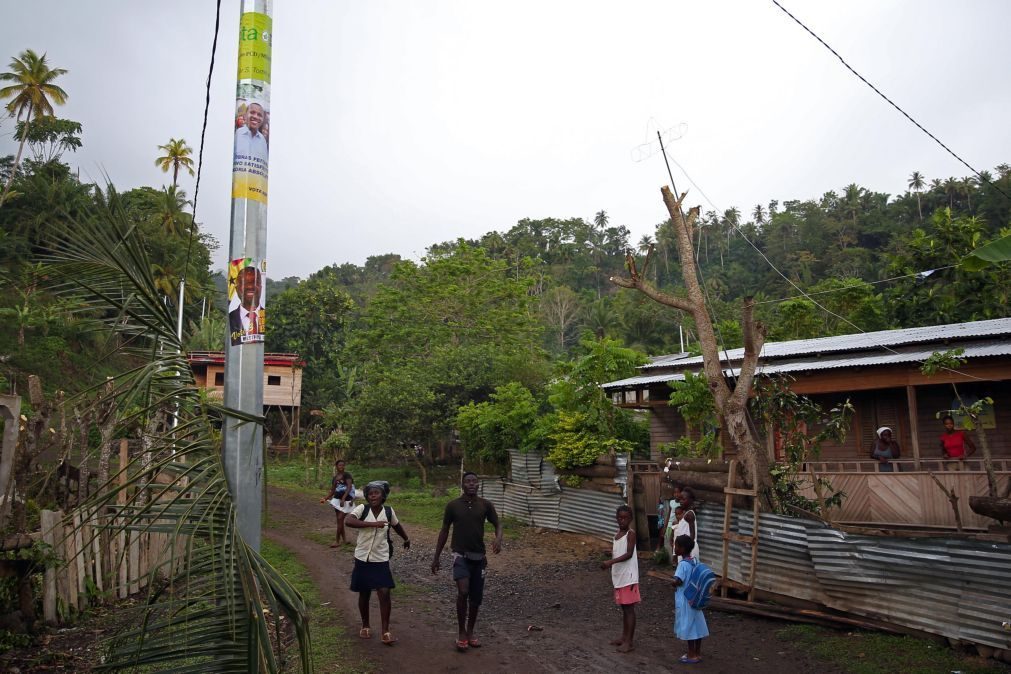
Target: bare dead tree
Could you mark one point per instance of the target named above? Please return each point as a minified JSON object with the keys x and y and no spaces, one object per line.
{"x":731,"y":404}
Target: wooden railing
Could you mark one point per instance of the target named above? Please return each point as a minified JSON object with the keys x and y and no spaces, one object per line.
{"x":908,"y":496}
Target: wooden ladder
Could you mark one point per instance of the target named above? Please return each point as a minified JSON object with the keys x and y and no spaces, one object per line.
{"x":731,"y":491}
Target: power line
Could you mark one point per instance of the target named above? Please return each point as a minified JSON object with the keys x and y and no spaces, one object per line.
{"x":890,"y":101}
{"x":203,"y":134}
{"x":921,"y":274}
{"x":801,"y":290}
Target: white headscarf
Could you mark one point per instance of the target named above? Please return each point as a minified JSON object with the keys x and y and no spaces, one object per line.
{"x":882,"y":430}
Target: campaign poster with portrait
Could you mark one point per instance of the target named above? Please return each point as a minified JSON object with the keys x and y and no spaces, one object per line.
{"x":251,"y":149}
{"x":246,"y":301}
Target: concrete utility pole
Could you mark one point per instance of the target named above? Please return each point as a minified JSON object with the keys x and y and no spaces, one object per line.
{"x":247,"y":266}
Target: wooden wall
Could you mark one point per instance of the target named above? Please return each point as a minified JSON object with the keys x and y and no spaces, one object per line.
{"x":890,"y":407}
{"x":908,"y":498}
{"x":282,"y":385}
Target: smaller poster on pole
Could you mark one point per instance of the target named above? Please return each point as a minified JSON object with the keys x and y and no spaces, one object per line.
{"x":246,"y":310}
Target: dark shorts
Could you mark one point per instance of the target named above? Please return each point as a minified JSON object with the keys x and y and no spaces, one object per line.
{"x":474,"y":569}
{"x":367,"y":576}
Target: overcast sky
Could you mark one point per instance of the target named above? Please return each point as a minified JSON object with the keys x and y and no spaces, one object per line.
{"x":398,"y":124}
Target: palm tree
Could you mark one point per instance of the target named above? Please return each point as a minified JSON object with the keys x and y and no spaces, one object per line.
{"x":601,"y":219}
{"x":644,"y":243}
{"x":177,"y":153}
{"x":916,"y":183}
{"x":952,"y":188}
{"x":175,"y":221}
{"x":30,"y":95}
{"x":222,"y":597}
{"x":758,"y":214}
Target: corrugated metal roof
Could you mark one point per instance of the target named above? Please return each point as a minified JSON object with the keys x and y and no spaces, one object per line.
{"x":952,"y":587}
{"x":982,"y":349}
{"x":857,"y":342}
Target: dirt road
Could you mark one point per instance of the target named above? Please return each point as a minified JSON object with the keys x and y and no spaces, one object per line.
{"x":543,"y":579}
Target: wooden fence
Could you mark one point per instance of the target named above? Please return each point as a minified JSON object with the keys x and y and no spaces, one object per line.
{"x":97,"y":563}
{"x":908,"y":496}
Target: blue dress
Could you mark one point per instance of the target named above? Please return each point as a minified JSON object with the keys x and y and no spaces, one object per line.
{"x":689,"y":623}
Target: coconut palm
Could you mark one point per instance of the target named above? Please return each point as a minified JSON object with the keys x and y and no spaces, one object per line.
{"x":174,"y":219}
{"x":177,"y":154}
{"x":758,"y":214}
{"x":916,"y":184}
{"x":221,"y":598}
{"x":32,"y":96}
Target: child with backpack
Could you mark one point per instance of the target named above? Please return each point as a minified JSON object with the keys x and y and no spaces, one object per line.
{"x":372,"y":555}
{"x":694,"y":581}
{"x":624,"y":567}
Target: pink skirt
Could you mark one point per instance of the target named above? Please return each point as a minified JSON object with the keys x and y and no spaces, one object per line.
{"x":627,"y":595}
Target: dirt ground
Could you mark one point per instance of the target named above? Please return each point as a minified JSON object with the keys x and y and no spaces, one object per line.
{"x":545,"y":580}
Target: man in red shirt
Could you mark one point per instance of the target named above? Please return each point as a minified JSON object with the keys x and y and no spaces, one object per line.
{"x":954,"y":443}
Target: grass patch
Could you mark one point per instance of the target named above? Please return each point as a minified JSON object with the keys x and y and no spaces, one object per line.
{"x":874,"y":653}
{"x":316,"y":537}
{"x":331,"y":649}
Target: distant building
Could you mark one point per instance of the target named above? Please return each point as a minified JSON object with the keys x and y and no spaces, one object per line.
{"x":282,"y":388}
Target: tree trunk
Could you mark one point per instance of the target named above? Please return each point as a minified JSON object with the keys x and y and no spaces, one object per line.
{"x":17,"y":160}
{"x":997,"y":508}
{"x":730,"y":403}
{"x":984,"y":448}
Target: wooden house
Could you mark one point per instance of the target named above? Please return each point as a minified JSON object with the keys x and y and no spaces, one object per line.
{"x":282,"y":387}
{"x":879,"y":373}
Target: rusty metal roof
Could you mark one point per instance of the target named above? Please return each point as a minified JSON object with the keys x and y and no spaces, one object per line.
{"x":895,"y":356}
{"x":858,"y":342}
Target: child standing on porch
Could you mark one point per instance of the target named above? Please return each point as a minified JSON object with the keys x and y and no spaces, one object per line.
{"x":624,"y":567}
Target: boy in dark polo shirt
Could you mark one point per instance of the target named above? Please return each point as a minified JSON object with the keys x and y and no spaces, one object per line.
{"x":467,"y":516}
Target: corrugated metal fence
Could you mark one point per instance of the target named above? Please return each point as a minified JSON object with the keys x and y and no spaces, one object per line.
{"x":955,"y":587}
{"x":533,"y":495}
{"x":952,"y":587}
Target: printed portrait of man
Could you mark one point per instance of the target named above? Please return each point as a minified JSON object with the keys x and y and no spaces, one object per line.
{"x":245,"y":321}
{"x":250,"y":140}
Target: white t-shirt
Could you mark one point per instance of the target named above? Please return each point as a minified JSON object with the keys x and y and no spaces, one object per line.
{"x":372,"y":545}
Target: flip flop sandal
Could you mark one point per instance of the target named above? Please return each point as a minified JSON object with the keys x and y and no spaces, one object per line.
{"x":462,"y":645}
{"x":389,"y":639}
{"x":365,"y":633}
{"x":685,"y":660}
{"x":474,"y":642}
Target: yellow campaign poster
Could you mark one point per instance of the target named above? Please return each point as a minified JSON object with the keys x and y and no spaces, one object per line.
{"x":251,"y":149}
{"x":255,"y":33}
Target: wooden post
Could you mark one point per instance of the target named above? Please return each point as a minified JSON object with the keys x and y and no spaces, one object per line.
{"x":80,"y":554}
{"x":124,"y":458}
{"x":914,"y":424}
{"x":50,"y":521}
{"x":70,"y":557}
{"x":121,"y":561}
{"x":134,"y":555}
{"x":728,"y":509}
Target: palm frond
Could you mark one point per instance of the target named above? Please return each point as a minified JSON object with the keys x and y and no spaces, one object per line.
{"x":214,"y":610}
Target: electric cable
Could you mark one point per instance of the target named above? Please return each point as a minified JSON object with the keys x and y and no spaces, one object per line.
{"x":807,"y":295}
{"x":203,"y":134}
{"x":891,"y":102}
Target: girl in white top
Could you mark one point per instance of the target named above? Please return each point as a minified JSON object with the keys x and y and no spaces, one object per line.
{"x":686,"y":525}
{"x":372,"y":555}
{"x":624,"y":567}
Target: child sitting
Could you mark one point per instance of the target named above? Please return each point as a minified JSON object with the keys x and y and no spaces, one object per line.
{"x":689,"y":623}
{"x":624,"y":567}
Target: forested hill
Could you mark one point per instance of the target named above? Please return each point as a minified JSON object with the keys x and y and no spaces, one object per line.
{"x":525,"y":318}
{"x":876,"y":261}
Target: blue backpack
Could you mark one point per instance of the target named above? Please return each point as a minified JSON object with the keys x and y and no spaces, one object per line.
{"x":699,"y":586}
